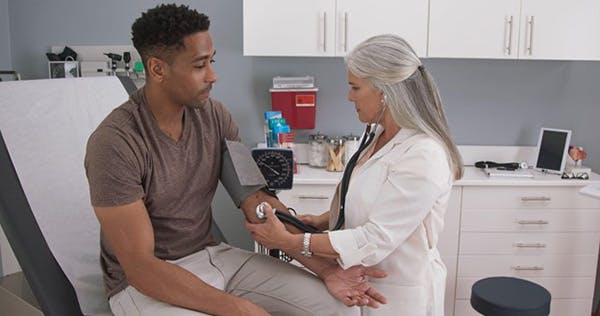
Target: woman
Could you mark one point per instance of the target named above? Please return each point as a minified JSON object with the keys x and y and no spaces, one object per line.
{"x":399,"y":187}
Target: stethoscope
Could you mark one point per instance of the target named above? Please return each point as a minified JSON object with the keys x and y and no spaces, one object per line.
{"x":291,"y":219}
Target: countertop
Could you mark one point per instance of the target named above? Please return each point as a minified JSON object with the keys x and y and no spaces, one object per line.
{"x":472,"y":177}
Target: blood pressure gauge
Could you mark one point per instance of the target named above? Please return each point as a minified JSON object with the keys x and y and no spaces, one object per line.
{"x":276,"y":166}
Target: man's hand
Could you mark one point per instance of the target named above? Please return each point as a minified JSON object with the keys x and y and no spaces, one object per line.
{"x":351,"y":286}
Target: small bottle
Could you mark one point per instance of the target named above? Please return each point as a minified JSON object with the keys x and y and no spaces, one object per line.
{"x":318,"y":155}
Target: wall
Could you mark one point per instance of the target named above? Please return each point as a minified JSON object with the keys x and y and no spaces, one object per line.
{"x":5,"y":63}
{"x":488,"y":102}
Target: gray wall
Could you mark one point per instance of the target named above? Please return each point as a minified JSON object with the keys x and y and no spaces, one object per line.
{"x":488,"y":102}
{"x":5,"y":63}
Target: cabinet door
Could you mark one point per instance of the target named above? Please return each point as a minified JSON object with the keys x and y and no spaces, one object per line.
{"x":289,"y":28}
{"x":560,"y":30}
{"x":358,"y":20}
{"x":474,"y":28}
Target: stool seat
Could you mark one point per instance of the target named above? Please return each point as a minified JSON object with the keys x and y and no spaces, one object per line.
{"x":500,"y":296}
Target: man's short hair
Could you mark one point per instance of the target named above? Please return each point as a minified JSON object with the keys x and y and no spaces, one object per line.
{"x":159,"y":32}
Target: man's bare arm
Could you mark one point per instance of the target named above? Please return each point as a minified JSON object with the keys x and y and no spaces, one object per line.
{"x":129,"y":233}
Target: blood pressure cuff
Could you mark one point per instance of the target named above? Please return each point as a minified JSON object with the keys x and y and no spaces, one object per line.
{"x":239,"y":173}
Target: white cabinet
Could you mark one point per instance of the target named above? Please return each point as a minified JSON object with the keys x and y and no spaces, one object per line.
{"x":359,"y":20}
{"x":474,"y":28}
{"x":329,"y":27}
{"x":313,"y":199}
{"x":289,"y":28}
{"x":515,"y":29}
{"x":560,"y":29}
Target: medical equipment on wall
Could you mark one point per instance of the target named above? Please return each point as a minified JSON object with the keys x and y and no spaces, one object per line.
{"x":114,"y":58}
{"x":296,"y":99}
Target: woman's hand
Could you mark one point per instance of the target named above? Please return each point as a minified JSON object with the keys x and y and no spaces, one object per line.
{"x":321,"y":222}
{"x":271,"y":233}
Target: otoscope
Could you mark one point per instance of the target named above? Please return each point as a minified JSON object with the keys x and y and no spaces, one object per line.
{"x":114,"y":58}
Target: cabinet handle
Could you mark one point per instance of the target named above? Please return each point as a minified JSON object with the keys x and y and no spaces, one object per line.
{"x":508,"y":39}
{"x":345,"y":31}
{"x":527,"y":268}
{"x":312,"y":197}
{"x":529,"y":245}
{"x":530,"y":22}
{"x":534,"y":222}
{"x":536,"y":199}
{"x":324,"y":32}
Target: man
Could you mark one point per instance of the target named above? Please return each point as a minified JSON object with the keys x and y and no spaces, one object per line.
{"x":153,"y":166}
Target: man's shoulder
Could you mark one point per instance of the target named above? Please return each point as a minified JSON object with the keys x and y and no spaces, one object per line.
{"x":118,"y":123}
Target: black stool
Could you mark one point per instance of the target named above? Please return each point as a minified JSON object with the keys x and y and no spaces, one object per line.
{"x":506,"y":296}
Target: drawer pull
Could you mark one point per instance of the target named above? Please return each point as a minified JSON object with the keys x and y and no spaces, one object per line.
{"x":531,"y":245}
{"x":527,"y":268}
{"x":534,"y":222}
{"x":536,"y":199}
{"x":313,"y":197}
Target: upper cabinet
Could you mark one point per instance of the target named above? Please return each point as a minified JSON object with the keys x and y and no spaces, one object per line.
{"x":501,"y":29}
{"x":474,"y":28}
{"x":360,"y":19}
{"x":289,"y":28}
{"x":515,"y":29}
{"x":553,"y":29}
{"x":329,"y":27}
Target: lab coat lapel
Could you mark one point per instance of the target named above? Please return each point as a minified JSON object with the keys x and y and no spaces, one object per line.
{"x":398,"y":139}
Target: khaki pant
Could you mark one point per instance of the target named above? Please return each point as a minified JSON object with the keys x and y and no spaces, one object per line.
{"x":278,"y":287}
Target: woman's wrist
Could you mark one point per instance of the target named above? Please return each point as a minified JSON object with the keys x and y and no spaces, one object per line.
{"x":293,"y":243}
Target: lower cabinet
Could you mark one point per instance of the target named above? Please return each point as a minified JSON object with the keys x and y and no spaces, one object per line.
{"x":545,"y":234}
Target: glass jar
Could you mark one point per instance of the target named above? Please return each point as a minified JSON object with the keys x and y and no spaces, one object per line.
{"x":351,"y":146}
{"x":335,"y":149}
{"x":318,"y":156}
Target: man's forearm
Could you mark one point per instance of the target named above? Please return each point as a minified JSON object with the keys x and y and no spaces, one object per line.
{"x":174,"y":285}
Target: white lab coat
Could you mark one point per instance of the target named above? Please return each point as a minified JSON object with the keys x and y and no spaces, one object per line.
{"x":395,"y":209}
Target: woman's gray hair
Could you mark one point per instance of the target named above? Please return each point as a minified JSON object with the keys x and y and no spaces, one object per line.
{"x":392,"y":67}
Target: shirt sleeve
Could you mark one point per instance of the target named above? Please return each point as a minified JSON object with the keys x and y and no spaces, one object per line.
{"x":229,"y":128}
{"x":409,"y":192}
{"x":113,"y":169}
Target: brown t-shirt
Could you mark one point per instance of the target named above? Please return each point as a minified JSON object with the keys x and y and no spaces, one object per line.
{"x":129,"y":158}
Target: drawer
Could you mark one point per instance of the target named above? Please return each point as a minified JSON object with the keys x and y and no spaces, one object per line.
{"x":572,"y":307}
{"x":560,"y":288}
{"x":308,"y":199}
{"x":526,"y":197}
{"x":529,"y":243}
{"x":527,"y":265}
{"x":532,"y":220}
